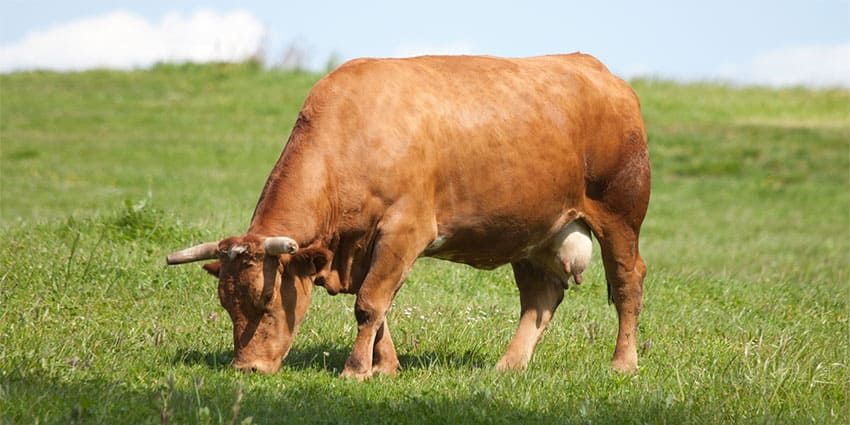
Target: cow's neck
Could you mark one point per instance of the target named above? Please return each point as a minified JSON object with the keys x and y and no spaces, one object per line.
{"x":296,"y":199}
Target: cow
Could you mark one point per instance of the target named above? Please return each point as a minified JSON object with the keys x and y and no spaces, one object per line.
{"x":478,"y":160}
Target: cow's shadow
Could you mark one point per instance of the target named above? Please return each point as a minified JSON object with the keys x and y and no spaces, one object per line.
{"x":213,"y":359}
{"x":331,"y":358}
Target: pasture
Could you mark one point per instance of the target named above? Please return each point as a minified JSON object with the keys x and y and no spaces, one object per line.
{"x":104,"y":173}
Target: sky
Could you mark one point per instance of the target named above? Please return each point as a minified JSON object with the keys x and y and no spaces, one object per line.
{"x":749,"y":42}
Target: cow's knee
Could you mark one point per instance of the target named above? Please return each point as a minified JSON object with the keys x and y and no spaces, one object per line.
{"x":369,"y":313}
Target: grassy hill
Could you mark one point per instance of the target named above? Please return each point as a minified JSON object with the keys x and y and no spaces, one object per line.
{"x":102,"y":173}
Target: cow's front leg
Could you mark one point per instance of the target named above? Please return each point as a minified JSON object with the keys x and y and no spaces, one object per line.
{"x":395,"y":253}
{"x":384,"y":357}
{"x":370,"y":310}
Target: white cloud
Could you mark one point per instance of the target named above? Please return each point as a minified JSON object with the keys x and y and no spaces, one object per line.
{"x":814,"y":66}
{"x":125,"y":40}
{"x":456,"y":48}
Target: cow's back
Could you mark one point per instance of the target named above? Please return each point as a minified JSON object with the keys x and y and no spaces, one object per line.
{"x":501,"y":150}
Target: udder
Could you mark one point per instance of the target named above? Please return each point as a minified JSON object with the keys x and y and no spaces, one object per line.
{"x":568,"y":252}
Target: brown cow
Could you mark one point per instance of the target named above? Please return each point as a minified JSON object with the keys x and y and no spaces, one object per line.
{"x":478,"y":160}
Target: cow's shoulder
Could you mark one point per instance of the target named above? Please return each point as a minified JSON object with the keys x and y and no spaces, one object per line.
{"x":356,"y":65}
{"x":348,"y":77}
{"x":332,"y":89}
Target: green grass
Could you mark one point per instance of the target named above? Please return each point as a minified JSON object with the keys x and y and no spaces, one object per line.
{"x":103,"y":173}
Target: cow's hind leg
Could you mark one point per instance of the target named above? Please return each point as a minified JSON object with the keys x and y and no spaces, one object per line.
{"x":616,"y":209}
{"x":540,"y":292}
{"x":624,"y":270}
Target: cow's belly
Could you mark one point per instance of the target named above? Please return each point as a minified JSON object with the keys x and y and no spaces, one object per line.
{"x":557,"y":244}
{"x":490,"y":253}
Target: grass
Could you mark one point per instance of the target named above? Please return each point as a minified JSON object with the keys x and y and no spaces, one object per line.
{"x":103,"y":173}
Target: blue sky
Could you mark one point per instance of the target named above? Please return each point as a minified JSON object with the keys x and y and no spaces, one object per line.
{"x":746,"y":41}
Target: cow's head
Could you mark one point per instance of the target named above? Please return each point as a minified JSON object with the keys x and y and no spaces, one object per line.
{"x":265,"y":285}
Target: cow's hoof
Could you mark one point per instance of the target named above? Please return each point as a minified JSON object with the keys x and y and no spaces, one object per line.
{"x":624,"y":366}
{"x":352,"y":374}
{"x":389,"y":369}
{"x":511,"y":363}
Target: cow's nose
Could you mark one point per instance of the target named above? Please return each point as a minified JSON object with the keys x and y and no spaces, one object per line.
{"x":255,"y":367}
{"x":247,"y":368}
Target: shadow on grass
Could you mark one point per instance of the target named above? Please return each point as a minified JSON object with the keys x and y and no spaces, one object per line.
{"x":331,"y":358}
{"x":213,"y":359}
{"x":302,"y":401}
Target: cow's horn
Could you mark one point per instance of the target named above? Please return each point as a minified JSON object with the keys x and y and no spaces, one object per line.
{"x":204,"y":251}
{"x":280,"y":245}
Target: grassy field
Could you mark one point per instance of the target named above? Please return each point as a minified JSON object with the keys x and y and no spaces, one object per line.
{"x":103,"y":173}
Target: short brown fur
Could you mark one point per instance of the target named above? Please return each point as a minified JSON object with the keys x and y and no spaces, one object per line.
{"x":474,"y":159}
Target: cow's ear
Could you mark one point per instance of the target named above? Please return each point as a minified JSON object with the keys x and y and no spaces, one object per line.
{"x":213,"y":268}
{"x":312,"y":261}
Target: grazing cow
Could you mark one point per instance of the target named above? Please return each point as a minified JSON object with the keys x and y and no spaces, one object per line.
{"x":473,"y":159}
